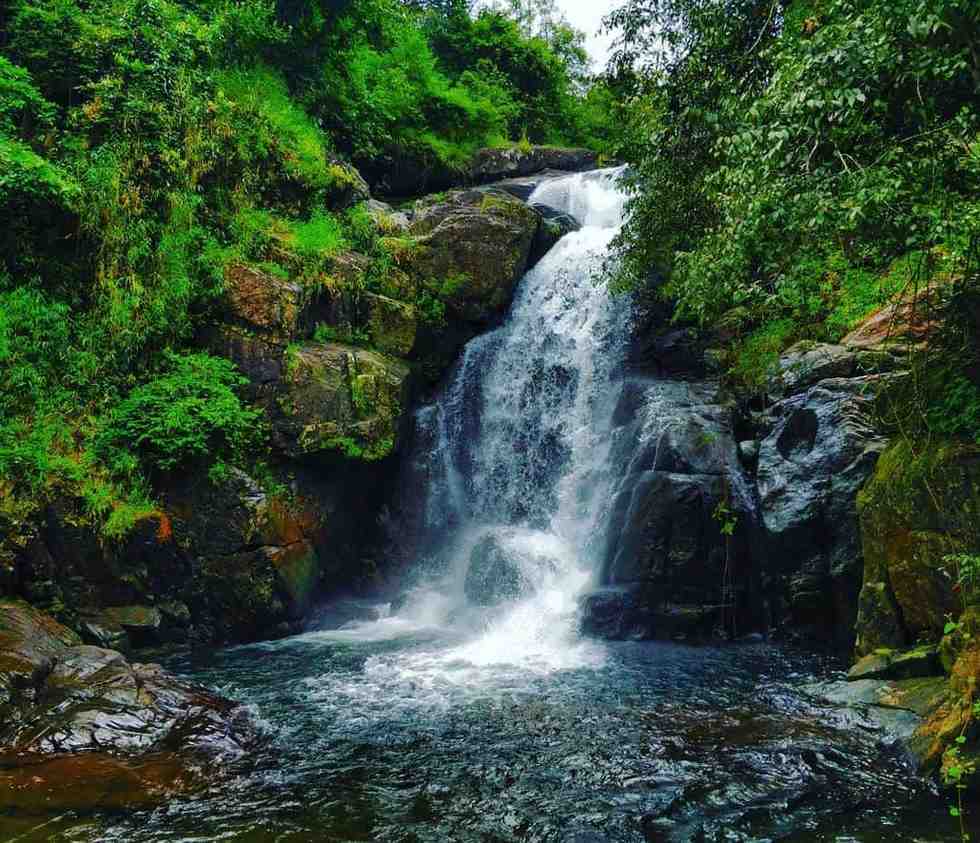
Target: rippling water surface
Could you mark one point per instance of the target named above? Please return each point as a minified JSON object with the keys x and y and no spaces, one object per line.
{"x":391,"y":732}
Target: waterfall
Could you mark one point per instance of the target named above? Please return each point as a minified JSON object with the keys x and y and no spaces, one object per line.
{"x":511,"y":459}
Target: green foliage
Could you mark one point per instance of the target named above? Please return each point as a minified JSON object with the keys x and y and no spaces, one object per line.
{"x":147,"y":144}
{"x":841,"y":133}
{"x":188,"y":414}
{"x":757,"y":355}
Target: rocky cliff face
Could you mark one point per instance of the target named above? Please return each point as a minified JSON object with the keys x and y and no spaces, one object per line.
{"x":740,"y":518}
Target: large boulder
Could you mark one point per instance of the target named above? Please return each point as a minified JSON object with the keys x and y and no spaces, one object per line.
{"x":480,"y":241}
{"x":262,"y":301}
{"x":257,"y":569}
{"x":495,"y":163}
{"x":505,"y":567}
{"x":681,"y":519}
{"x":72,"y":713}
{"x":822,"y":448}
{"x":340,"y":399}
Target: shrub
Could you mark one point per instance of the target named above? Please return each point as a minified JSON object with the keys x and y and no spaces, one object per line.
{"x":190,"y":413}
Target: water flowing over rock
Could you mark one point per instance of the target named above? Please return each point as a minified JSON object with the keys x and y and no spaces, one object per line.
{"x":515,"y":448}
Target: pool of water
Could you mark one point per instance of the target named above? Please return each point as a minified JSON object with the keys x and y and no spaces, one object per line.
{"x":390,"y":731}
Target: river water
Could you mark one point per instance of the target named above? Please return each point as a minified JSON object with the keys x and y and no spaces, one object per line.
{"x":474,"y":710}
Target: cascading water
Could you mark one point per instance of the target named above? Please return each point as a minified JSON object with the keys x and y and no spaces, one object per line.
{"x":474,"y":711}
{"x":514,"y":449}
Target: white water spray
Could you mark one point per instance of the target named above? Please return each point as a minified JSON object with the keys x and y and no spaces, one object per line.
{"x":515,"y":460}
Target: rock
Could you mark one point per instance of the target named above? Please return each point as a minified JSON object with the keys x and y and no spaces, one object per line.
{"x":916,"y":510}
{"x":615,"y":613}
{"x":503,"y":567}
{"x":393,"y":324}
{"x":104,"y":633}
{"x":342,"y":400}
{"x":524,"y":186}
{"x":878,"y":623}
{"x":387,"y":219}
{"x":682,"y":516}
{"x":891,"y":664}
{"x":257,"y":569}
{"x":262,"y":301}
{"x":142,"y":624}
{"x":113,"y":704}
{"x":748,"y":452}
{"x":673,"y":353}
{"x":822,"y":448}
{"x":910,"y":319}
{"x":554,"y":225}
{"x":348,"y":186}
{"x":807,"y":363}
{"x":59,"y":696}
{"x":480,"y":240}
{"x":492,"y":164}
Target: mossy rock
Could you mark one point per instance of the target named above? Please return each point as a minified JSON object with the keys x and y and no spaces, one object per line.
{"x":483,"y":240}
{"x":918,"y":507}
{"x":339,"y":399}
{"x":887,"y":664}
{"x":393,"y":325}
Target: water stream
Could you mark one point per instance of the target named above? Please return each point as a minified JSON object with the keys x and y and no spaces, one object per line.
{"x":473,"y":710}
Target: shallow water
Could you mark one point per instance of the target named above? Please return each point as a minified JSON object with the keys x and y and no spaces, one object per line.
{"x":393,"y":732}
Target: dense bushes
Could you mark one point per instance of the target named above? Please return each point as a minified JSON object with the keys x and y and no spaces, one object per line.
{"x":187,"y":414}
{"x":147,"y":145}
{"x":780,"y":145}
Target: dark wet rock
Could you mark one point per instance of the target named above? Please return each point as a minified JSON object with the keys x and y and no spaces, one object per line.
{"x":878,"y":624}
{"x":501,"y":570}
{"x":257,"y":569}
{"x":524,"y":186}
{"x":616,"y":613}
{"x":60,"y":695}
{"x":493,"y":164}
{"x":340,"y":613}
{"x":821,"y":450}
{"x":682,"y":519}
{"x":748,"y":453}
{"x":554,"y":225}
{"x":807,"y":363}
{"x":675,"y":353}
{"x":891,"y":664}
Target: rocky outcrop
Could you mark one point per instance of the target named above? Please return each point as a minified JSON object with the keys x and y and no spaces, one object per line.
{"x":682,"y":517}
{"x":493,"y":164}
{"x":73,"y":713}
{"x":822,"y":448}
{"x":334,"y":365}
{"x":478,"y":240}
{"x":917,"y":512}
{"x":339,"y":398}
